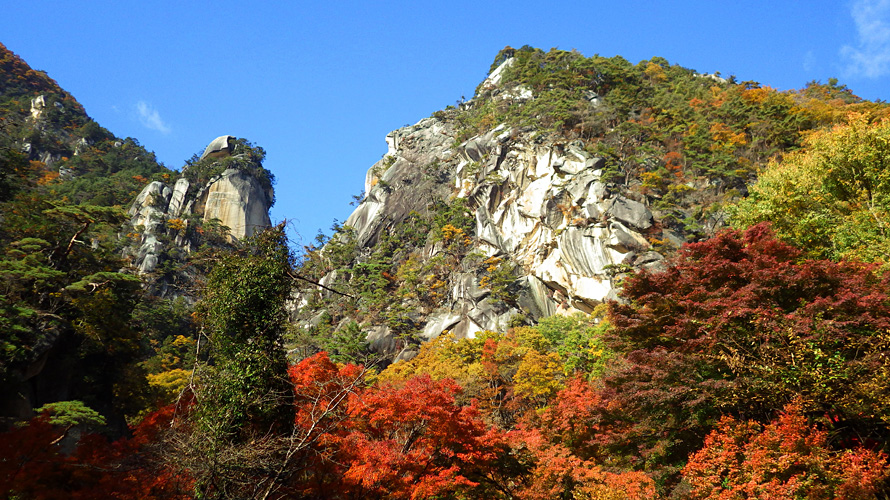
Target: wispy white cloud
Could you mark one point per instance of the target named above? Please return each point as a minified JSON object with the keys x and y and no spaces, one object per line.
{"x":150,"y":118}
{"x":871,"y":55}
{"x":809,"y":61}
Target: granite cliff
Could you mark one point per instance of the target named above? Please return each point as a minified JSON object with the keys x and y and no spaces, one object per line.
{"x":537,"y":196}
{"x":232,"y":196}
{"x":540,"y":205}
{"x":547,"y":233}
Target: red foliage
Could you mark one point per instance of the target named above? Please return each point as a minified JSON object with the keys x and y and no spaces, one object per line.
{"x":556,"y":453}
{"x":786,"y":459}
{"x":742,"y":325}
{"x":321,"y":416}
{"x":321,"y":391}
{"x":571,"y":419}
{"x":32,"y":464}
{"x":414,"y":441}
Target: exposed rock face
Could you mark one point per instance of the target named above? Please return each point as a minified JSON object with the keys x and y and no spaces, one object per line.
{"x":37,"y":105}
{"x":540,"y":201}
{"x":238,"y":201}
{"x":550,"y":212}
{"x":542,"y":205}
{"x":234,"y":198}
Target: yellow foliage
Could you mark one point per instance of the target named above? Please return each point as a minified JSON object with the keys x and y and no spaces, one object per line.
{"x":442,"y":357}
{"x":492,"y":263}
{"x":176,"y":224}
{"x":539,"y":375}
{"x":652,"y":180}
{"x":655,"y":72}
{"x":183,"y":341}
{"x":529,"y":338}
{"x":48,"y":178}
{"x":756,"y":96}
{"x":832,"y":197}
{"x":454,"y":234}
{"x":167,"y":385}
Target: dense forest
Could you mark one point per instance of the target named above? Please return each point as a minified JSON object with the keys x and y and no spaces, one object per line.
{"x":752,"y":364}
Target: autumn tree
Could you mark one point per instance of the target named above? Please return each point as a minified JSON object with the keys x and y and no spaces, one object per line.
{"x":832,"y":197}
{"x":742,"y":325}
{"x":412,"y":440}
{"x":323,"y":390}
{"x":36,"y":461}
{"x":556,"y":453}
{"x":787,"y":458}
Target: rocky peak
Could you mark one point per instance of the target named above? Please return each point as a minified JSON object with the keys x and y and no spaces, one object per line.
{"x":219,"y":147}
{"x":233,"y":198}
{"x":562,"y":174}
{"x":542,"y":206}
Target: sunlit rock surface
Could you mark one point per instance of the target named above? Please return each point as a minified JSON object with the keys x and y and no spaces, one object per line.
{"x":233,"y":198}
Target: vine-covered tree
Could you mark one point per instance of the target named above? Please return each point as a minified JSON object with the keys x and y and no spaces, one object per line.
{"x":242,"y":396}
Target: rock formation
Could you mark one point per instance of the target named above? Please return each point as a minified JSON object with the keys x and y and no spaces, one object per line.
{"x":540,"y":203}
{"x":233,"y":198}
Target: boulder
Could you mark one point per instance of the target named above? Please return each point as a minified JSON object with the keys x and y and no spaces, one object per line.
{"x":630,"y":212}
{"x":438,"y":323}
{"x":381,"y":339}
{"x":624,"y":240}
{"x":583,"y":250}
{"x":219,"y":147}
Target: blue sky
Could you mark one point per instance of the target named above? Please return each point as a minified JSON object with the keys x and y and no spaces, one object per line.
{"x":319,"y":84}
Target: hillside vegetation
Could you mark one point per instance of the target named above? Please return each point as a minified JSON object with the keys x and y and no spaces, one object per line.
{"x":749,"y":360}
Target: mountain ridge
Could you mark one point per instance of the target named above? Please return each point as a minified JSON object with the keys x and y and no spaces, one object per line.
{"x":568,"y":173}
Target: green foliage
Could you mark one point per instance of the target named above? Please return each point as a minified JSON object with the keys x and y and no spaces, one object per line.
{"x":499,"y":276}
{"x":579,"y":341}
{"x":14,"y":168}
{"x":71,"y":413}
{"x":242,"y":313}
{"x":344,"y":343}
{"x":454,"y":213}
{"x":831,"y":198}
{"x":110,"y":172}
{"x":68,"y":296}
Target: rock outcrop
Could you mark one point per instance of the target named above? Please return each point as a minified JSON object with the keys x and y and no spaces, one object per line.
{"x":534,"y":198}
{"x":541,"y":204}
{"x":233,"y":198}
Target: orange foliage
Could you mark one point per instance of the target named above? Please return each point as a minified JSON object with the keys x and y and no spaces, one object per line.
{"x":786,"y":459}
{"x":725,"y":137}
{"x":48,"y":177}
{"x":413,"y":441}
